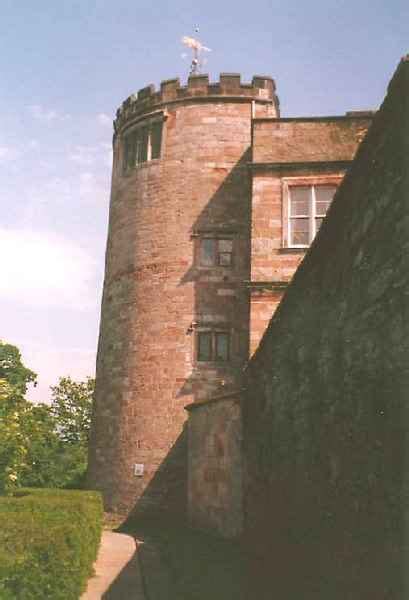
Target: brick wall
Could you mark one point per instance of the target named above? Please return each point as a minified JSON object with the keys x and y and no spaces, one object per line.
{"x":215,"y":467}
{"x":326,"y":414}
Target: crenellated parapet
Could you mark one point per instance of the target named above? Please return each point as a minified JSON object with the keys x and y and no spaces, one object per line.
{"x":148,"y":99}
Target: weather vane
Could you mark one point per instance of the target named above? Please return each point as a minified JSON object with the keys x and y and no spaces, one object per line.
{"x":197,"y":48}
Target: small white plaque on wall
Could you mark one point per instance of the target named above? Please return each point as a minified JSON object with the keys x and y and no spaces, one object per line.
{"x":138,"y":470}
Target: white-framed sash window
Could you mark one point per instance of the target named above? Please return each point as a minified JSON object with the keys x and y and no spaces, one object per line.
{"x":307,"y":207}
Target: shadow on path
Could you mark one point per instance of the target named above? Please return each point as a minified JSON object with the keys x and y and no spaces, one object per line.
{"x":128,"y":585}
{"x":180,"y":564}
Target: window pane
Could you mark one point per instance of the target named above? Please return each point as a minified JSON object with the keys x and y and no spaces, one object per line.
{"x":225,"y":245}
{"x":323,"y":196}
{"x":156,"y":139}
{"x":137,"y":146}
{"x":300,"y":201}
{"x":143,"y":155}
{"x":207,"y":252}
{"x":225,"y":259}
{"x":204,"y":346}
{"x":300,"y":231}
{"x":222,"y":346}
{"x":126,"y":152}
{"x":318,"y":223}
{"x":130,"y":150}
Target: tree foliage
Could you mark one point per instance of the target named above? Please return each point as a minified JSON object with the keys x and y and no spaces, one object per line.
{"x":41,"y":445}
{"x":71,"y":407}
{"x":14,"y":378}
{"x":13,"y":371}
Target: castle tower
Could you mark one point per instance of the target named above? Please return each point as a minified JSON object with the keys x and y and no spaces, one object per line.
{"x":175,"y":310}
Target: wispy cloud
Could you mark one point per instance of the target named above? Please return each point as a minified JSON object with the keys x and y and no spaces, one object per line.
{"x":48,"y":115}
{"x":54,"y":196}
{"x":104,"y":120}
{"x":8,"y":153}
{"x":99,"y":154}
{"x":46,"y":270}
{"x":84,"y":155}
{"x":92,"y":189}
{"x":107,"y":156}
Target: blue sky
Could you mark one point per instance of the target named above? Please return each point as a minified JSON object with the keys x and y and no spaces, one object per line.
{"x":65,"y":68}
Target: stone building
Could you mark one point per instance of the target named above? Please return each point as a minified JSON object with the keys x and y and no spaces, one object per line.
{"x":215,"y":199}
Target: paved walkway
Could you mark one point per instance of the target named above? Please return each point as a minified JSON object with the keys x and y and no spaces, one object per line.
{"x":117,"y":570}
{"x":166,"y":563}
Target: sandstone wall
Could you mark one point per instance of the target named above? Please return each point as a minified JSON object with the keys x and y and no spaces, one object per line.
{"x":296,"y":151}
{"x":157,"y":295}
{"x":308,"y":139}
{"x":215,"y":467}
{"x":273,"y":264}
{"x":326,"y":410}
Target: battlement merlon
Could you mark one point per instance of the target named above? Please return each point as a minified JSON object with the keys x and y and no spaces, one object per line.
{"x":229,"y":87}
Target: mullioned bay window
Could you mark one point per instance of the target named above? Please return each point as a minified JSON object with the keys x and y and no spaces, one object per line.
{"x":142,"y":143}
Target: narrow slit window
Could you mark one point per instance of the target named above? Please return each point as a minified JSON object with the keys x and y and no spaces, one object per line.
{"x":143,"y":155}
{"x":156,"y":139}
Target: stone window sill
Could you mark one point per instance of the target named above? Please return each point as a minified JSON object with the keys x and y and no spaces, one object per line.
{"x":293,"y":250}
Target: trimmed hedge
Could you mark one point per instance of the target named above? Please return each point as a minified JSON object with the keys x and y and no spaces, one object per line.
{"x":49,"y":540}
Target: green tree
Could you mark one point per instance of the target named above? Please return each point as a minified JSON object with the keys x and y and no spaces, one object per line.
{"x":72,"y":407}
{"x":13,"y":447}
{"x":41,"y":467}
{"x":41,"y":445}
{"x":14,"y":441}
{"x":13,"y":371}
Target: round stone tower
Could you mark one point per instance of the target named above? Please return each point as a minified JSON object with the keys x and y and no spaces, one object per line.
{"x":175,"y":308}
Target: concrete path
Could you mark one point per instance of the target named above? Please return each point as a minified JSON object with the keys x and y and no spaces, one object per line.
{"x":117,"y":570}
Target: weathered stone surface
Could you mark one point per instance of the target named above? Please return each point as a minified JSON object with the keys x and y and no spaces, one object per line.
{"x":326,"y":412}
{"x":286,"y":152}
{"x":308,"y":139}
{"x":215,"y":467}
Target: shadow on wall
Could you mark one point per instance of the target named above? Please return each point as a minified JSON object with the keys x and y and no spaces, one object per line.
{"x":326,"y":416}
{"x":316,"y":537}
{"x":221,"y":300}
{"x":226,"y":215}
{"x":168,"y":487}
